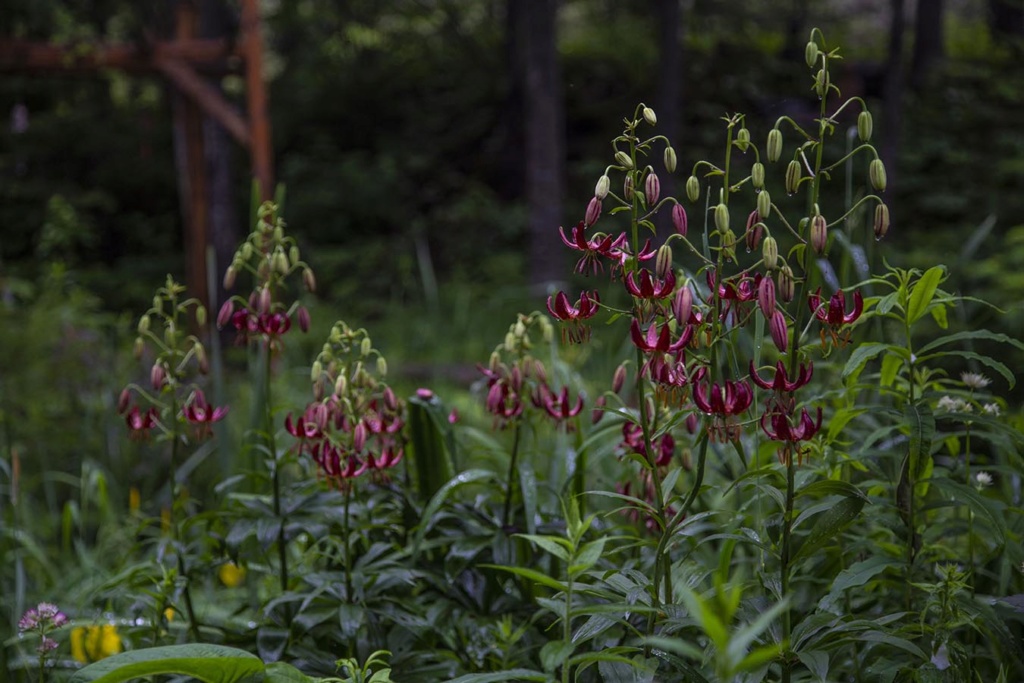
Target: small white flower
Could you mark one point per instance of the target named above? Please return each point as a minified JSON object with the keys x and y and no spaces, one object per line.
{"x":992,"y":409}
{"x":984,"y":479}
{"x":949,"y":404}
{"x":974,"y":380}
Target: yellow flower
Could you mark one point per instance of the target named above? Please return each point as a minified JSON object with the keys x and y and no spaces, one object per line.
{"x":93,"y":643}
{"x":134,"y":499}
{"x":231,"y":574}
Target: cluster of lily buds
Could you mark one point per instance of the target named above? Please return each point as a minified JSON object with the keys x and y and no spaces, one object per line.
{"x":272,"y":257}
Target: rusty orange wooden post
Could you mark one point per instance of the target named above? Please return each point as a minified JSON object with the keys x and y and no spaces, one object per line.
{"x":256,"y":98}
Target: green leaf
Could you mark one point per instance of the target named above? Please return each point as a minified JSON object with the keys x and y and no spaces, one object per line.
{"x":559,"y":547}
{"x":854,"y":576}
{"x":743,"y":638}
{"x":429,"y":446}
{"x":588,"y":556}
{"x":980,"y":505}
{"x":816,"y":662}
{"x":502,"y":676}
{"x":280,"y":672}
{"x":860,"y":357}
{"x":531,"y":574}
{"x":832,"y":487}
{"x":984,"y":360}
{"x":207,"y":663}
{"x":970,"y":335}
{"x":430,"y":511}
{"x":829,"y":525}
{"x":554,"y":653}
{"x":939,"y":314}
{"x":891,"y":365}
{"x":923,"y":292}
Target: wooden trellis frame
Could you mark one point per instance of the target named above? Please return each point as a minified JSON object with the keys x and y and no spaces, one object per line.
{"x":181,"y":62}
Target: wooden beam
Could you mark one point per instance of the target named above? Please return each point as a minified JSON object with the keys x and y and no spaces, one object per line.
{"x":207,"y":97}
{"x":260,"y":146}
{"x":85,"y":58}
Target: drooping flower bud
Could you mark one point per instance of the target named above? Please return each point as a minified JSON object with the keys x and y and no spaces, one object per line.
{"x":721,"y":218}
{"x":264,"y":301}
{"x":682,"y":305}
{"x":604,"y":184}
{"x":786,"y":289}
{"x":365,"y":347}
{"x":382,"y":366}
{"x":729,"y":245}
{"x":755,"y":230}
{"x":309,"y":279}
{"x":670,"y":160}
{"x":819,"y":234}
{"x":774,"y":151}
{"x":340,"y":385}
{"x":619,"y":378}
{"x":124,"y":400}
{"x":144,"y":323}
{"x":757,"y":175}
{"x":821,"y":82}
{"x":779,"y":332}
{"x":663,"y":261}
{"x":811,"y":53}
{"x":279,"y":261}
{"x":692,"y":188}
{"x":881,"y":221}
{"x":876,"y":173}
{"x":622,"y":159}
{"x":302,"y":314}
{"x":598,"y":412}
{"x":652,"y":189}
{"x":679,"y":219}
{"x":593,"y":211}
{"x":201,"y":359}
{"x":157,"y":376}
{"x":865,"y":125}
{"x":201,"y":314}
{"x":293,"y":254}
{"x":742,"y":140}
{"x":793,"y":177}
{"x":766,"y":297}
{"x":227,"y":309}
{"x":246,"y":251}
{"x":770,"y":253}
{"x":649,"y":116}
{"x":764,"y":204}
{"x":138,"y":347}
{"x":627,"y":188}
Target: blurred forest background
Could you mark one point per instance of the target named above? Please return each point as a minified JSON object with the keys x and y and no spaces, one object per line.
{"x":431,"y":148}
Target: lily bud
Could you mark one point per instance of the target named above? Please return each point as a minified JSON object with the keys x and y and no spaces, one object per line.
{"x":138,"y":347}
{"x":278,"y":233}
{"x":679,"y":219}
{"x":365,"y":346}
{"x":144,"y":324}
{"x":157,"y":376}
{"x":881,"y":221}
{"x":811,"y":53}
{"x":619,"y":378}
{"x":764,"y":204}
{"x":382,"y":366}
{"x":876,"y":173}
{"x":604,"y":184}
{"x":663,"y":261}
{"x":204,"y":362}
{"x":670,"y":160}
{"x":819,"y":234}
{"x":779,"y":332}
{"x":865,"y":125}
{"x":340,"y":385}
{"x":293,"y":254}
{"x":246,"y":251}
{"x":682,"y":305}
{"x":742,"y":140}
{"x":692,"y":188}
{"x":793,"y":173}
{"x":593,"y":211}
{"x":229,"y":277}
{"x":652,"y":189}
{"x":627,"y":188}
{"x":757,"y":175}
{"x":821,"y":82}
{"x":786,"y":289}
{"x":280,"y":262}
{"x":649,"y":116}
{"x":265,"y":300}
{"x":766,"y":297}
{"x":729,"y":245}
{"x":774,"y":145}
{"x":302,"y":314}
{"x":123,"y":401}
{"x":722,"y":218}
{"x":770,"y":253}
{"x":201,"y":314}
{"x":622,"y":159}
{"x":309,"y":279}
{"x":754,"y":233}
{"x":598,"y":412}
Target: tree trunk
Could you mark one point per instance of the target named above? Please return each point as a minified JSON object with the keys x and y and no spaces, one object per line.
{"x":668,"y":98}
{"x":545,"y":138}
{"x":892,"y":101}
{"x":928,"y":42}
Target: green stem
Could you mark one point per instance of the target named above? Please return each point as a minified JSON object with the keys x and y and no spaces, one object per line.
{"x":348,"y":544}
{"x":506,"y":514}
{"x":268,"y":425}
{"x":177,"y":539}
{"x":567,"y":624}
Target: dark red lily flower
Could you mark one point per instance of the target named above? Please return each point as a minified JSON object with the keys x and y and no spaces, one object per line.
{"x":622,"y":253}
{"x":650,"y":287}
{"x":504,"y":403}
{"x":586,"y":307}
{"x":274,"y":324}
{"x":338,"y":467}
{"x":597,"y":247}
{"x":778,"y":427}
{"x":661,"y":341}
{"x":633,"y":440}
{"x":139,"y":423}
{"x":834,"y":315}
{"x":199,"y":412}
{"x":732,"y":293}
{"x":723,"y":402}
{"x":557,"y":406}
{"x":781,"y":382}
